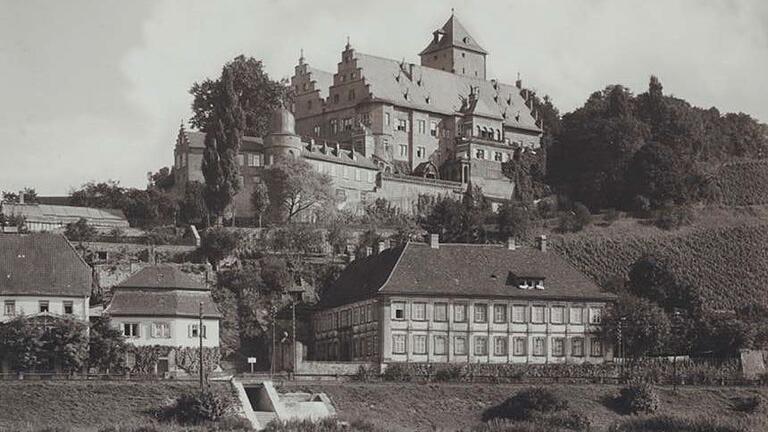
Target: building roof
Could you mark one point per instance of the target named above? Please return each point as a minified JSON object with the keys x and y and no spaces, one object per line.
{"x":453,"y":34}
{"x":461,"y":270}
{"x":329,"y":153}
{"x":42,"y":264}
{"x":162,"y":276}
{"x":59,"y":214}
{"x":151,"y":302}
{"x":434,"y":90}
{"x":323,"y":80}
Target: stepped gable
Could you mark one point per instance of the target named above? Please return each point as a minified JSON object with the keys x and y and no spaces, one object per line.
{"x":42,"y":264}
{"x":434,"y":90}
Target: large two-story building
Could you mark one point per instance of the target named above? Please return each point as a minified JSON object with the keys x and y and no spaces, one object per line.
{"x":459,"y":303}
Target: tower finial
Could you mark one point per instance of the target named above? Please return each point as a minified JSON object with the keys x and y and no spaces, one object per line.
{"x":348,"y":46}
{"x":452,"y":11}
{"x":301,"y":56}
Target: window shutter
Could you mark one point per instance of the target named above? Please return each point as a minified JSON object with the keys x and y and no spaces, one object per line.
{"x":189,"y":331}
{"x":204,"y":335}
{"x":153,"y":330}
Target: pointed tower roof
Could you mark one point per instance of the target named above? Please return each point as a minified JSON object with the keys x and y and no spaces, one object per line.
{"x":453,"y":34}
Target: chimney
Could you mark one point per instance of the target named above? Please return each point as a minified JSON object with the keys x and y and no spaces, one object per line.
{"x":511,"y":245}
{"x":542,"y":243}
{"x":434,"y":241}
{"x":21,"y":197}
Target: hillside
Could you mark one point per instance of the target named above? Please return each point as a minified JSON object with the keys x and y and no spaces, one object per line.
{"x":724,"y":255}
{"x":742,"y":183}
{"x":400,"y":407}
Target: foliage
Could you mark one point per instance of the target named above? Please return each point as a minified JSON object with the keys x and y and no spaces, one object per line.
{"x":297,"y":238}
{"x":106,"y":348}
{"x":80,"y":231}
{"x":363,"y":374}
{"x":396,"y":372}
{"x":142,"y":208}
{"x":192,"y":207}
{"x":643,"y":326}
{"x":513,"y":220}
{"x":260,"y":201}
{"x":741,"y":183}
{"x":223,"y":135}
{"x":575,"y":220}
{"x":295,"y":187}
{"x":750,"y":405}
{"x":663,"y":175}
{"x":527,"y":169}
{"x":639,"y":399}
{"x":163,"y":179}
{"x":257,"y":93}
{"x":459,"y":221}
{"x":30,"y":196}
{"x":527,"y":404}
{"x":328,"y":424}
{"x":338,"y":236}
{"x":651,"y":279}
{"x":198,"y":407}
{"x":671,"y":217}
{"x":666,"y":423}
{"x":217,"y":243}
{"x":29,"y":345}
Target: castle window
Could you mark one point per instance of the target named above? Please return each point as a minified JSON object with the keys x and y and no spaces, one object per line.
{"x":402,"y":125}
{"x":499,"y":313}
{"x":398,"y":310}
{"x":433,"y":128}
{"x":460,"y":313}
{"x":68,"y":308}
{"x":558,"y":347}
{"x":481,"y":345}
{"x":479,"y":154}
{"x":131,"y":330}
{"x":577,"y":315}
{"x":518,"y":314}
{"x":519,"y":346}
{"x":387,"y":119}
{"x":336,"y":98}
{"x":596,"y":348}
{"x":421,"y":152}
{"x":403,"y":150}
{"x":481,"y":313}
{"x":316,"y":130}
{"x":10,"y":308}
{"x":351,"y":95}
{"x":497,"y":156}
{"x":537,"y":314}
{"x":43,"y":306}
{"x":595,"y":315}
{"x":440,"y":312}
{"x":577,"y":347}
{"x":334,"y":126}
{"x":309,"y":104}
{"x":422,"y":126}
{"x":498,"y":135}
{"x":463,"y":55}
{"x":419,"y":311}
{"x":539,"y":347}
{"x":398,"y":344}
{"x":557,"y":315}
{"x":460,"y":345}
{"x":479,"y":131}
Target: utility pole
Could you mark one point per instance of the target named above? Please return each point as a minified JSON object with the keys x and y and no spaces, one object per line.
{"x":273,"y":310}
{"x":200,"y":337}
{"x":293,"y":336}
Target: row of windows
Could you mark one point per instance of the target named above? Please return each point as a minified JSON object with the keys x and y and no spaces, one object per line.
{"x":403,"y":125}
{"x":159,"y":330}
{"x":354,"y":316}
{"x":496,"y":156}
{"x":420,"y":344}
{"x":421,"y":152}
{"x":345,"y":171}
{"x":252,"y":159}
{"x":9,"y":307}
{"x":501,"y":313}
{"x":363,"y":346}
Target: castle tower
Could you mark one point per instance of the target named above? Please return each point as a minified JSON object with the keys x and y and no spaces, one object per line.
{"x":452,"y":49}
{"x":282,"y":139}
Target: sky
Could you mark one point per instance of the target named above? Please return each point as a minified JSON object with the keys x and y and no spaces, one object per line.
{"x":96,"y":90}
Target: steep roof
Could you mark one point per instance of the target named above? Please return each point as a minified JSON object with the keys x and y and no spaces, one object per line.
{"x":323,"y":80}
{"x":453,"y":34}
{"x":196,"y":139}
{"x":42,"y":264}
{"x":461,"y":270}
{"x":60,"y":214}
{"x":162,"y":276}
{"x":328,"y":153}
{"x":435,"y":90}
{"x":149,"y":302}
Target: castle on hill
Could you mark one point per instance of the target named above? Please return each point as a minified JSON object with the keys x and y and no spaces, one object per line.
{"x":384,"y":128}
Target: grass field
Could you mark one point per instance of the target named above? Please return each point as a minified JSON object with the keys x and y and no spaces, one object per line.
{"x":450,"y":407}
{"x":82,"y":405}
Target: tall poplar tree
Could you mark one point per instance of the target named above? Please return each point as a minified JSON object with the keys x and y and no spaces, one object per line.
{"x":224,"y":133}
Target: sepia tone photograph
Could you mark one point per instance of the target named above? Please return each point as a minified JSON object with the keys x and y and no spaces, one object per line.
{"x":360,"y":216}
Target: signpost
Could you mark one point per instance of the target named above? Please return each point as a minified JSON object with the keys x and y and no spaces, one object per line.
{"x":251,"y":361}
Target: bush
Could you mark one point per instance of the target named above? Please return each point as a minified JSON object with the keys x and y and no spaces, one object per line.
{"x":678,"y":424}
{"x":569,"y":420}
{"x":448,"y":374}
{"x":575,"y":220}
{"x":671,"y":217}
{"x":396,"y":372}
{"x":639,"y":399}
{"x":363,"y":374}
{"x":611,"y":216}
{"x":80,"y":231}
{"x":641,"y":206}
{"x":749,"y":405}
{"x":194,"y":408}
{"x":323,"y":425}
{"x":527,"y":404}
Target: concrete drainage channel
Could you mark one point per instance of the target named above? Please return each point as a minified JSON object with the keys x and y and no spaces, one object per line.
{"x":261,"y":403}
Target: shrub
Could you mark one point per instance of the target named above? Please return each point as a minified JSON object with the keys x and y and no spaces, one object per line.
{"x":575,"y":220}
{"x":396,"y":372}
{"x":749,"y":405}
{"x":363,"y":374}
{"x":677,"y":424}
{"x":450,"y":373}
{"x":323,"y":425}
{"x":641,"y":206}
{"x":670,"y":217}
{"x":80,"y":231}
{"x":194,"y":408}
{"x":611,"y":216}
{"x":639,"y":399}
{"x":569,"y":420}
{"x":527,"y":404}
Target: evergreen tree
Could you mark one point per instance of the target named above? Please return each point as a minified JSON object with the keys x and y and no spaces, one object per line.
{"x":224,"y":133}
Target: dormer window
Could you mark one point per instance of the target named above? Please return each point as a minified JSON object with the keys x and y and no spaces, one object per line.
{"x":531,"y":283}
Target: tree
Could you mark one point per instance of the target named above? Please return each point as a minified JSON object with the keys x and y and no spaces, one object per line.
{"x":297,"y":239}
{"x":445,"y":219}
{"x":21,"y":344}
{"x":257,"y":93}
{"x":295,"y":186}
{"x":163,"y":179}
{"x":338,"y":236}
{"x":30,"y":196}
{"x":650,"y":279}
{"x":662,"y":174}
{"x":66,"y":344}
{"x":108,"y":194}
{"x":218,"y":243}
{"x":575,"y":220}
{"x":223,"y":134}
{"x":192,"y":208}
{"x":260,"y":201}
{"x":513,"y":220}
{"x":474,"y":209}
{"x":106,"y":349}
{"x":80,"y":231}
{"x":643,"y":326}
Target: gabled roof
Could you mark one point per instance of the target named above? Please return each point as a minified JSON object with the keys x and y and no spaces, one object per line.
{"x":461,"y":270}
{"x":453,"y":34}
{"x":59,"y":214}
{"x":162,"y":276}
{"x":42,"y":264}
{"x":434,"y":90}
{"x":328,"y":153}
{"x":196,"y":139}
{"x":323,"y":80}
{"x":148,"y":302}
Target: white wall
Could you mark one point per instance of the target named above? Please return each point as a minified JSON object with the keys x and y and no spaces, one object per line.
{"x":30,"y":305}
{"x":179,"y":337}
